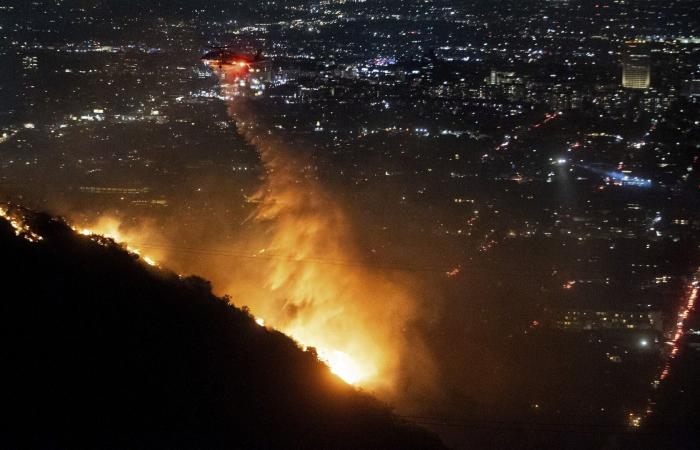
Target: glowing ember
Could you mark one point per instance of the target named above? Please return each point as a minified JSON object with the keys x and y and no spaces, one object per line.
{"x":17,"y":221}
{"x":149,"y":261}
{"x":110,"y":228}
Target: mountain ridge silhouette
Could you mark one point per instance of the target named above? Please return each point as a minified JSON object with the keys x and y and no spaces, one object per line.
{"x":102,"y":351}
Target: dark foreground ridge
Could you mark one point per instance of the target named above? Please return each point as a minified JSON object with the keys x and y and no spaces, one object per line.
{"x":101,"y":351}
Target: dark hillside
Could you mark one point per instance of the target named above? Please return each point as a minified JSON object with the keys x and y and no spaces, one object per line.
{"x":100,"y":350}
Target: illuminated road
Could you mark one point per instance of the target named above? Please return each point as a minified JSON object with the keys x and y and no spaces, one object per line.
{"x":678,"y":332}
{"x":547,"y":118}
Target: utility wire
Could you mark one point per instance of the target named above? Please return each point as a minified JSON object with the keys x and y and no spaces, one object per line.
{"x":334,"y":262}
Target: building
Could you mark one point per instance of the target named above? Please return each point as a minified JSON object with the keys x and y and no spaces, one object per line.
{"x":592,"y":320}
{"x":113,"y":190}
{"x":636,"y":72}
{"x":497,"y":78}
{"x":692,"y":88}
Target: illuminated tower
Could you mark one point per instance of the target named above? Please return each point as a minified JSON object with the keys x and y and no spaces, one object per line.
{"x":636,"y":73}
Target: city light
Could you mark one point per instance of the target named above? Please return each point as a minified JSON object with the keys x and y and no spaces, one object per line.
{"x":476,"y":211}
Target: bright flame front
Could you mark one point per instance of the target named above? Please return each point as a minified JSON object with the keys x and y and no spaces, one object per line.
{"x":344,"y":366}
{"x":111,"y":228}
{"x":354,"y":316}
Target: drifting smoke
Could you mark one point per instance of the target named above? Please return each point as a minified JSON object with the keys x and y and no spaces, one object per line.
{"x":297,"y":266}
{"x":356,"y":317}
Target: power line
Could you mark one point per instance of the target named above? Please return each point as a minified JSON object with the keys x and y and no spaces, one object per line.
{"x":288,"y":258}
{"x":344,"y":263}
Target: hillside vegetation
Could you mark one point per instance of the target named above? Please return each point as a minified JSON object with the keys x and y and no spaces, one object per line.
{"x":100,"y":350}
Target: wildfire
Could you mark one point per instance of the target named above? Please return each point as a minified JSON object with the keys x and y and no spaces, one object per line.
{"x":344,"y":366}
{"x":355,"y":360}
{"x":326,"y":307}
{"x":340,"y":363}
{"x":353,"y":317}
{"x":17,"y":221}
{"x":111,"y":228}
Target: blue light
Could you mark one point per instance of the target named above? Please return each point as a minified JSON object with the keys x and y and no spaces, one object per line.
{"x":619,"y":178}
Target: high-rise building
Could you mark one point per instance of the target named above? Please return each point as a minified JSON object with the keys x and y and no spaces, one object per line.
{"x":636,"y":72}
{"x":498,"y":78}
{"x":692,"y":88}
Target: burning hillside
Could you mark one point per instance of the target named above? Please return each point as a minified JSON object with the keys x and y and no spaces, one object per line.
{"x":355,"y":317}
{"x":102,"y":350}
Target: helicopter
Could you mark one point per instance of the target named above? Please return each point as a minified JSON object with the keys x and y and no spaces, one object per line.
{"x":222,"y":56}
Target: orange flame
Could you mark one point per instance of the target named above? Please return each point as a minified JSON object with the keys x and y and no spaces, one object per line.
{"x":354,"y":317}
{"x":112,"y":228}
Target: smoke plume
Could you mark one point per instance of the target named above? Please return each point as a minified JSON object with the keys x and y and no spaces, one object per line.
{"x":310,"y":284}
